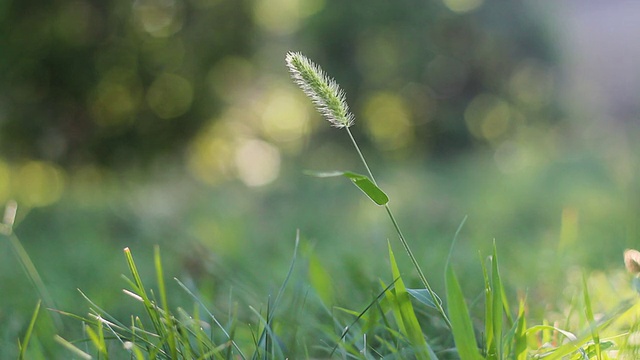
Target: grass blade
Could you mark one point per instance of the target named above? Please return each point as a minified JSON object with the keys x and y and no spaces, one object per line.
{"x":267,"y":339}
{"x":98,"y":339}
{"x":213,"y":317}
{"x":363,"y":183}
{"x":489,"y":339}
{"x":424,"y":296}
{"x":171,"y":336}
{"x":149,"y":306}
{"x":461,"y":324}
{"x":520,"y":336}
{"x":423,"y":278}
{"x":455,"y":239}
{"x":497,"y":303}
{"x":34,"y":276}
{"x":27,"y":335}
{"x":592,"y":323}
{"x":69,"y":346}
{"x":576,"y":343}
{"x":264,"y":336}
{"x":360,"y":315}
{"x":406,"y":316}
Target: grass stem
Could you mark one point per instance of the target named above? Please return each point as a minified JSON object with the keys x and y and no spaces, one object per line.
{"x":403,"y":241}
{"x":364,"y":162}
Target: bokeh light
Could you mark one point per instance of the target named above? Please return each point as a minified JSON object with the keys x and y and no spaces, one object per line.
{"x":488,"y":117}
{"x":511,"y":156}
{"x":258,"y":162}
{"x":39,"y":183}
{"x":162,"y":54}
{"x":284,"y":16}
{"x":231,"y":78}
{"x":116,"y":99}
{"x":209,"y":158}
{"x":532,"y":84}
{"x":74,"y":23}
{"x":378,"y":56}
{"x":170,"y":96}
{"x":159,"y":18}
{"x":5,"y":182}
{"x":285,"y":116}
{"x":462,"y":6}
{"x":388,"y":121}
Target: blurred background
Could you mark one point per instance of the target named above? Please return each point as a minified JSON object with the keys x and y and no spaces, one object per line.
{"x":175,"y":122}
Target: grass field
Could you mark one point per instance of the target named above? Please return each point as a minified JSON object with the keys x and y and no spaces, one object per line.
{"x":560,"y":223}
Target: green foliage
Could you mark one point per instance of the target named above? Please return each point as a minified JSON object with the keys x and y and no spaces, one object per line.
{"x":461,"y":324}
{"x":362,"y":182}
{"x":405,"y":315}
{"x":394,"y":324}
{"x":27,"y":336}
{"x":116,"y":85}
{"x":172,"y":335}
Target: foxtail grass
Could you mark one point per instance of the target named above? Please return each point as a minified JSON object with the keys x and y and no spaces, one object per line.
{"x":330,"y":101}
{"x":391,"y":326}
{"x":504,"y":337}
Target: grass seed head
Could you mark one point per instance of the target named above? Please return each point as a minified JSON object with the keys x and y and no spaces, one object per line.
{"x":323,"y":91}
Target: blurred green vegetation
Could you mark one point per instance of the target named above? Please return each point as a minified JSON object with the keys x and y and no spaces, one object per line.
{"x":174,"y":122}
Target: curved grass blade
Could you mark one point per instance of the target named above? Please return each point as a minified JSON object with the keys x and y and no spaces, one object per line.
{"x":273,"y":348}
{"x":590,"y":318}
{"x":27,"y":336}
{"x":406,"y":316}
{"x":213,"y":317}
{"x":498,"y":305}
{"x":170,"y":330}
{"x":34,"y":276}
{"x":264,"y":336}
{"x":360,"y":315}
{"x":74,"y":349}
{"x":140,"y":290}
{"x":577,"y":344}
{"x":363,"y":182}
{"x":423,"y":296}
{"x":461,"y":324}
{"x":520,"y":336}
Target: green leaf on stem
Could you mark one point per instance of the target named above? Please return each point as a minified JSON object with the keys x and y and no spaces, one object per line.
{"x":363,"y":183}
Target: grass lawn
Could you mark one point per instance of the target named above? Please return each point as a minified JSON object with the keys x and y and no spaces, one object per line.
{"x":313,"y":268}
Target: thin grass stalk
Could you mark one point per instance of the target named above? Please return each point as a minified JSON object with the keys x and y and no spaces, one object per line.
{"x":171,"y":338}
{"x":150,"y":307}
{"x":375,"y":301}
{"x":264,"y":336}
{"x":403,"y":241}
{"x":72,"y":348}
{"x":421,"y":275}
{"x":215,"y":320}
{"x":27,"y":336}
{"x":593,"y":327}
{"x":330,"y":101}
{"x":34,"y":276}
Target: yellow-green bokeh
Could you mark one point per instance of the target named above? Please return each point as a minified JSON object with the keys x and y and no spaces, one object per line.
{"x":170,"y":96}
{"x":38,"y":183}
{"x":388,"y":120}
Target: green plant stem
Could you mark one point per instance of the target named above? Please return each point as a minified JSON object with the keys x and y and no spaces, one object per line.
{"x":423,"y":278}
{"x":361,"y":156}
{"x":403,"y":241}
{"x":33,"y":275}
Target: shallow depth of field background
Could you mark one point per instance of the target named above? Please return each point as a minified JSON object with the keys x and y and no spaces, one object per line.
{"x":174,"y":122}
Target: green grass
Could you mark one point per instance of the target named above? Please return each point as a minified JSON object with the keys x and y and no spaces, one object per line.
{"x":305,"y":318}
